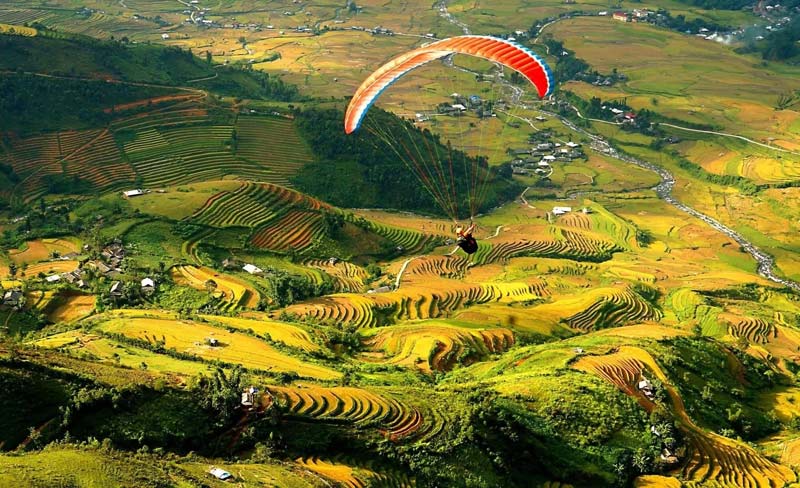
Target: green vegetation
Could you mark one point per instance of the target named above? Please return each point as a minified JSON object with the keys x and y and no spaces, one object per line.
{"x":361,"y":170}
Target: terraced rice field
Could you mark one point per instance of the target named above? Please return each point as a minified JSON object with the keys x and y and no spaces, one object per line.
{"x":71,"y":307}
{"x":755,"y":330}
{"x":346,"y":474}
{"x":234,"y":348}
{"x":272,"y":143}
{"x":19,"y":30}
{"x":253,"y":204}
{"x":42,"y":249}
{"x":713,"y":460}
{"x":295,"y":230}
{"x":599,"y":308}
{"x":347,"y":277}
{"x":50,"y":267}
{"x":437,"y":298}
{"x":410,"y":241}
{"x":341,"y":474}
{"x":100,"y":162}
{"x":437,"y":346}
{"x":235,"y":292}
{"x":290,"y":335}
{"x":352,"y":405}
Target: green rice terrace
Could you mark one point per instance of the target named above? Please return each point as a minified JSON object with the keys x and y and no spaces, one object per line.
{"x":211,"y":275}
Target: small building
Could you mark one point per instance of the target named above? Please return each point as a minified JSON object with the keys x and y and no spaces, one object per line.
{"x":616,"y":111}
{"x":81,"y":284}
{"x":602,"y":13}
{"x":133,"y":193}
{"x":13,"y":298}
{"x":561,"y":210}
{"x":53,"y":278}
{"x":220,"y":474}
{"x":249,"y":396}
{"x":548,"y":158}
{"x":573,"y":144}
{"x":541,"y":118}
{"x":621,"y":16}
{"x":543,"y":164}
{"x":229,"y":263}
{"x":252,"y":269}
{"x":148,"y":285}
{"x":116,"y":289}
{"x":333,"y":260}
{"x":544,"y":146}
{"x":459,"y":107}
{"x":381,"y":289}
{"x":646,"y":388}
{"x":165,"y":36}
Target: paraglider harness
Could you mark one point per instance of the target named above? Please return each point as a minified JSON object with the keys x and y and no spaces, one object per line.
{"x":465,"y":240}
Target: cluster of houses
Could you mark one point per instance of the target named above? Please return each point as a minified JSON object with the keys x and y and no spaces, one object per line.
{"x":620,"y":115}
{"x":543,"y":152}
{"x":229,"y":264}
{"x":462,"y":104}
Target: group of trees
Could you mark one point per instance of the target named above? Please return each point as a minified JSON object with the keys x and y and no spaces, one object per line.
{"x":369,"y":168}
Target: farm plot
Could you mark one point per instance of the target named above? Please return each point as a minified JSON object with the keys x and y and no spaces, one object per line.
{"x":19,"y":30}
{"x":49,"y":267}
{"x":276,"y":331}
{"x":437,"y":346}
{"x":273,"y":143}
{"x":69,"y":307}
{"x":99,"y":162}
{"x":353,"y":405}
{"x":234,"y":348}
{"x":295,"y":230}
{"x":435,"y":298}
{"x":233,"y":291}
{"x":713,"y":459}
{"x":42,"y":249}
{"x":347,"y":277}
{"x":599,"y":308}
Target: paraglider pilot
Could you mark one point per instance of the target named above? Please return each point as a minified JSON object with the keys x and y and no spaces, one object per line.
{"x":465,"y":240}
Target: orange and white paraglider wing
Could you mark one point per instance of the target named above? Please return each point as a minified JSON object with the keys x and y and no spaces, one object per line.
{"x":501,"y":51}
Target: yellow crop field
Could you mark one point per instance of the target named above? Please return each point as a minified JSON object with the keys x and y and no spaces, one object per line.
{"x":277,"y":331}
{"x":50,"y":267}
{"x":125,"y":355}
{"x":341,"y":474}
{"x":42,"y":249}
{"x":19,"y":30}
{"x":437,"y":346}
{"x":71,"y":307}
{"x":193,"y":337}
{"x":713,"y":458}
{"x":231,"y":289}
{"x":352,"y":405}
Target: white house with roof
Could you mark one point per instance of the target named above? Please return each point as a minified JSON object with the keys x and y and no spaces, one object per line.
{"x":133,"y":193}
{"x":252,"y":268}
{"x":561,"y":210}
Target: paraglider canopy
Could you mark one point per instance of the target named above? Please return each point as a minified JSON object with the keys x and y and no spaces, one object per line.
{"x":449,"y":176}
{"x":505,"y":52}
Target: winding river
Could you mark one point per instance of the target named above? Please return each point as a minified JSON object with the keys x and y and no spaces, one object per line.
{"x":766,"y":263}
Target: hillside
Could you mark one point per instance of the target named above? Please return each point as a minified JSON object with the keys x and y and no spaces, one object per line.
{"x":199,"y":269}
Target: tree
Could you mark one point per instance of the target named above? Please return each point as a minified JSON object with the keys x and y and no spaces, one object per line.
{"x":221,"y":393}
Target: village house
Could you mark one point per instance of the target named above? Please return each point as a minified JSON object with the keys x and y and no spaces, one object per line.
{"x":252,"y":269}
{"x":13,"y":298}
{"x":621,"y":16}
{"x":561,"y":210}
{"x":134,"y":193}
{"x":148,"y":286}
{"x":53,"y":278}
{"x":116,"y":289}
{"x":646,"y":388}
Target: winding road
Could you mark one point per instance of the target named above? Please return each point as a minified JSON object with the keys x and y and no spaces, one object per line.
{"x":766,"y":263}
